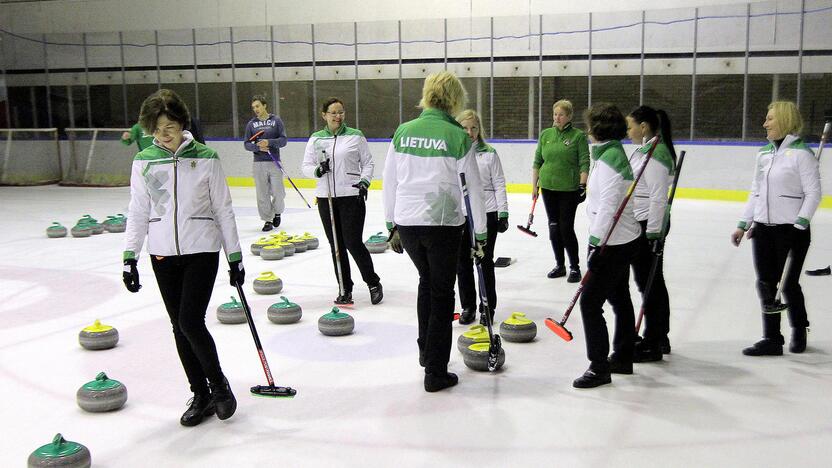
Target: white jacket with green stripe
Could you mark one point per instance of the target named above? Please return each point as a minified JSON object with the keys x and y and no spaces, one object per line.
{"x":421,"y":174}
{"x":650,"y":195}
{"x":493,"y":179}
{"x":350,"y":160}
{"x":181,"y":202}
{"x":609,"y":180}
{"x":786,"y":186}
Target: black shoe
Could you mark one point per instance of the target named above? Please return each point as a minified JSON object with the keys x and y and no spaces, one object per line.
{"x":200,"y":406}
{"x":765,"y":347}
{"x":619,"y":366}
{"x":223,"y":399}
{"x":276,"y":220}
{"x":665,"y":345}
{"x":482,"y":316}
{"x":467,"y":316}
{"x":436,"y":382}
{"x":574,"y":275}
{"x":647,"y":352}
{"x":557,"y":272}
{"x":268,"y":226}
{"x":798,"y":343}
{"x":820,"y":272}
{"x":344,"y":300}
{"x":376,"y":294}
{"x":592,"y":379}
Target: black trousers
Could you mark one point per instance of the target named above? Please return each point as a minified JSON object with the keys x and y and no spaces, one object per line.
{"x":611,"y":283}
{"x":770,"y":246}
{"x":349,"y":224}
{"x":465,"y":266}
{"x":560,"y":209}
{"x":433,"y":250}
{"x":186,"y":283}
{"x":657,"y":304}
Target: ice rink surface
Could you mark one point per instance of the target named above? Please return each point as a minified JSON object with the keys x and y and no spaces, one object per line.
{"x":360,"y":398}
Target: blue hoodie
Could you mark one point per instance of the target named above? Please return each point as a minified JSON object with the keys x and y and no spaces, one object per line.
{"x":273,"y":131}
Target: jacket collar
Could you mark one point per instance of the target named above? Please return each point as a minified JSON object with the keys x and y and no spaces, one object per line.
{"x":432,"y":113}
{"x":187,"y":140}
{"x":566,"y":128}
{"x":341,"y":130}
{"x":600,"y":148}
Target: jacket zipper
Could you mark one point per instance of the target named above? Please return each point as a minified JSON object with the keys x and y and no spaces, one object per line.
{"x":175,"y":204}
{"x":768,"y":190}
{"x":332,"y":169}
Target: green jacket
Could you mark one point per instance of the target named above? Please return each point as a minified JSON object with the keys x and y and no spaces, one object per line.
{"x":561,"y":157}
{"x":142,"y":139}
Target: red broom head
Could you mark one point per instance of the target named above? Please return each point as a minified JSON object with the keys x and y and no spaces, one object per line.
{"x":559,"y":329}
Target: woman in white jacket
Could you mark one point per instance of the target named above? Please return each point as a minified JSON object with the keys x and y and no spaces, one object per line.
{"x":785,"y":193}
{"x":341,"y":153}
{"x":496,"y":213}
{"x":180,"y":201}
{"x":609,"y":280}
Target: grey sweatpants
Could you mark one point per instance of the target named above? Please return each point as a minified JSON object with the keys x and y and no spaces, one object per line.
{"x":268,"y":183}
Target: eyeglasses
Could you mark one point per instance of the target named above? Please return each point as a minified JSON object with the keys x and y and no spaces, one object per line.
{"x":336,"y":113}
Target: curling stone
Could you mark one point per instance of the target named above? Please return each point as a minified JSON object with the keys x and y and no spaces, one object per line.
{"x":93,"y":223}
{"x":81,"y":230}
{"x":98,"y":336}
{"x":475,"y":334}
{"x":336,"y":323}
{"x":284,"y":312}
{"x":102,"y":394}
{"x":288,"y":248}
{"x":476,"y":357}
{"x":258,"y":245}
{"x":518,"y":329}
{"x":62,"y":453}
{"x":300,"y":244}
{"x":114,"y":224}
{"x":55,"y":230}
{"x":268,"y":283}
{"x":231,"y":312}
{"x":376,"y":243}
{"x":311,"y":241}
{"x":272,"y":252}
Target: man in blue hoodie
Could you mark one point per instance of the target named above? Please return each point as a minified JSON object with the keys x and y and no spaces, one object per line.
{"x":268,"y":179}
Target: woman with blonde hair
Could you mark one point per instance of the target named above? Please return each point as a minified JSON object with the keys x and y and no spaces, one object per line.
{"x":496,"y":212}
{"x":785,"y":193}
{"x":425,"y":212}
{"x":559,"y":172}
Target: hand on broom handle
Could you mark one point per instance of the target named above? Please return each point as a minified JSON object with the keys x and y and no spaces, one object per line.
{"x":280,"y":166}
{"x":558,"y":327}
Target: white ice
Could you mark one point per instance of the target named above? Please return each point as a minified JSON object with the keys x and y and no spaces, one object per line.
{"x":360,"y":398}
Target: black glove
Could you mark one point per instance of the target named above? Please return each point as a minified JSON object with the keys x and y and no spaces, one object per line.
{"x":395,"y":241}
{"x":581,"y":193}
{"x":323,"y":168}
{"x":131,"y":276}
{"x":478,"y":252}
{"x":656,"y":246}
{"x":362,"y":187}
{"x":595,"y":260}
{"x":236,"y":273}
{"x":502,"y":224}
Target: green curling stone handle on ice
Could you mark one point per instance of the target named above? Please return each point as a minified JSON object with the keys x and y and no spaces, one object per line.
{"x":60,"y":452}
{"x":495,"y":346}
{"x":269,"y":390}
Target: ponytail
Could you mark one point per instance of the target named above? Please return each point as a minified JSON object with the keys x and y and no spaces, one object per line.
{"x":659,"y":123}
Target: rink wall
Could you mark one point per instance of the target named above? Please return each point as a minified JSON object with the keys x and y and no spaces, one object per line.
{"x":712,"y":171}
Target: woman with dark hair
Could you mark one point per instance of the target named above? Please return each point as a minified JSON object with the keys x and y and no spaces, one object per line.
{"x":180,"y":201}
{"x":339,"y":158}
{"x":785,"y":193}
{"x":609,"y":181}
{"x":559,"y":172}
{"x":425,"y":211}
{"x":650,"y":201}
{"x":268,"y":179}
